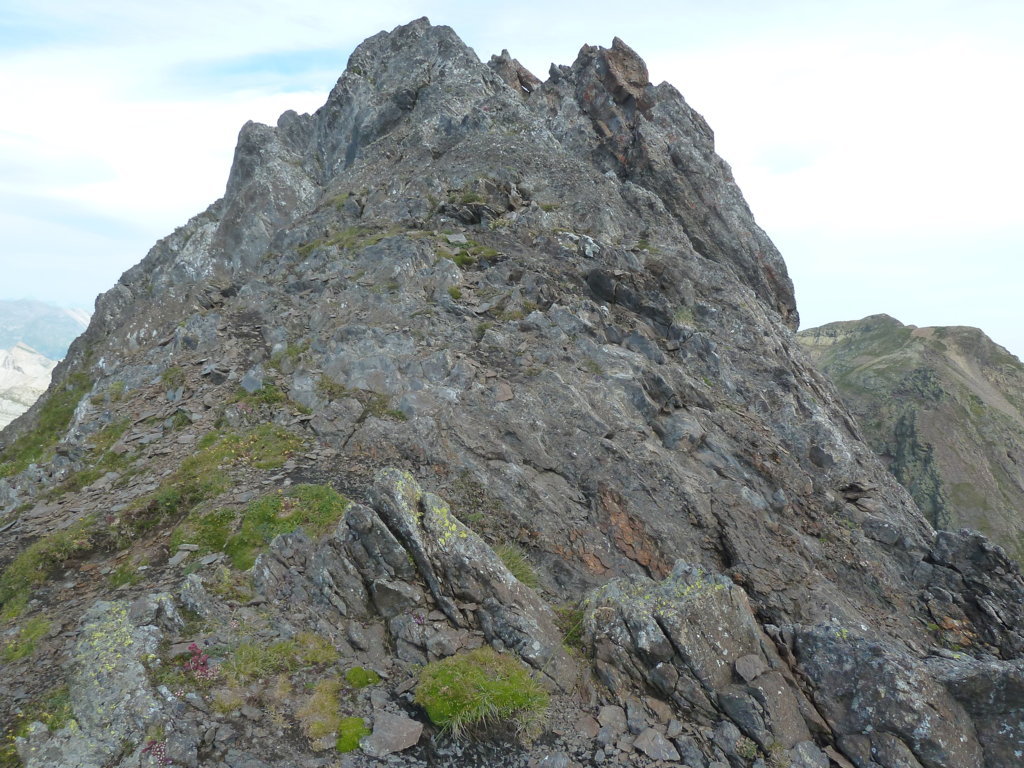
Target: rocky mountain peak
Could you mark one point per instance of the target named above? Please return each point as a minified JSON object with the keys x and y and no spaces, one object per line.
{"x":416,"y":105}
{"x":473,"y":372}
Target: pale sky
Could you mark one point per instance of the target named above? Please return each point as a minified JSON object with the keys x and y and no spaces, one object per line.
{"x":878,"y":143}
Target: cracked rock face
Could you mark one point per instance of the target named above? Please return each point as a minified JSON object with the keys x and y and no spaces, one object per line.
{"x":489,"y":311}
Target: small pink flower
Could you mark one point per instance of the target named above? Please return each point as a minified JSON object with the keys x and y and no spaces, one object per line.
{"x":158,"y":751}
{"x":199,"y":664}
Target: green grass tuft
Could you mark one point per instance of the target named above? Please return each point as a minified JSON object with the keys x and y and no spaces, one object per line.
{"x":481,"y":328}
{"x":350,"y":731}
{"x":267,"y":446}
{"x":104,"y":439}
{"x":288,"y":357}
{"x":126,"y":573}
{"x":331,"y":389}
{"x":230,"y":585}
{"x":210,"y":531}
{"x":477,"y":689}
{"x":173,"y":377}
{"x":746,"y":748}
{"x":321,"y":715}
{"x":569,"y":619}
{"x":268,"y":394}
{"x":380,"y":406}
{"x":256,"y":661}
{"x":360,"y":677}
{"x":314,"y":649}
{"x":25,"y":642}
{"x":518,"y":564}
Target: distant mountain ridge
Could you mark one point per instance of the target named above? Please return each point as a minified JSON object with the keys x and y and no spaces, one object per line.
{"x":944,"y":407}
{"x":46,"y":328}
{"x":24,"y":376}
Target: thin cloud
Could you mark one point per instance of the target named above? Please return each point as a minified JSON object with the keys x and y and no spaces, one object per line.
{"x":286,"y":72}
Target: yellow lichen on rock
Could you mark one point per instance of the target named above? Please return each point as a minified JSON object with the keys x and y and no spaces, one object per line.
{"x":439,"y":521}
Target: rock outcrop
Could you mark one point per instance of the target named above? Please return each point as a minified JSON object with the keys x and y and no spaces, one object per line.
{"x":944,"y":408}
{"x":467,"y":358}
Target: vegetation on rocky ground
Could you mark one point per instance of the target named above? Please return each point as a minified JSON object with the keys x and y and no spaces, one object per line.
{"x":350,"y":731}
{"x":53,"y":710}
{"x":374,"y":403}
{"x":569,"y":619}
{"x":471,"y":691}
{"x":514,"y":558}
{"x":54,"y":417}
{"x":209,"y":531}
{"x":268,"y":394}
{"x":350,"y":238}
{"x":204,"y":475}
{"x":100,"y":460}
{"x":601,"y":434}
{"x":314,"y":508}
{"x":25,"y":640}
{"x":35,"y":564}
{"x":321,"y":715}
{"x":199,"y":478}
{"x":360,"y":677}
{"x":254,"y":660}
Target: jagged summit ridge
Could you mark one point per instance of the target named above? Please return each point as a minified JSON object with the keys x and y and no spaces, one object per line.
{"x":455,"y":314}
{"x":418,"y":106}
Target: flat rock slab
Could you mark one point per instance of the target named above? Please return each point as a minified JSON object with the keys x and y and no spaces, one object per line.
{"x":391,"y":733}
{"x":587,"y":726}
{"x":613,"y":718}
{"x":750,"y":667}
{"x":655,"y":746}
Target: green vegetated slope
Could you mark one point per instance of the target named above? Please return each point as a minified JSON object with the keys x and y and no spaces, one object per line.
{"x":944,"y":407}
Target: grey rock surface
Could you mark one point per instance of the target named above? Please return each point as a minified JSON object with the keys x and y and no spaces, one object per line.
{"x":391,"y":733}
{"x":490,"y":311}
{"x":655,"y":746}
{"x":865,"y":688}
{"x":111,"y":697}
